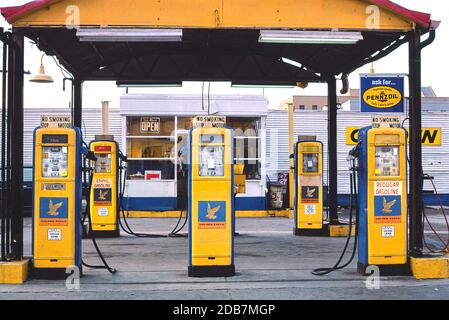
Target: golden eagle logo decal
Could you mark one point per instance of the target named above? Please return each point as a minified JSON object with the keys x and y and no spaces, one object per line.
{"x":387,"y":206}
{"x":212,"y":211}
{"x":102,"y":195}
{"x":53,"y":208}
{"x":310,"y":192}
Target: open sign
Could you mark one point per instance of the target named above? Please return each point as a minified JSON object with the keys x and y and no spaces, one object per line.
{"x":150,"y":124}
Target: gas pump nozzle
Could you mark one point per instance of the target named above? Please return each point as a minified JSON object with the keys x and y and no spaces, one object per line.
{"x":355,"y":152}
{"x":122,"y":156}
{"x":90,"y":155}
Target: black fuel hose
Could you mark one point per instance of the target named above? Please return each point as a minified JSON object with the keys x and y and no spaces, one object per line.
{"x":122,"y":214}
{"x":175,"y":231}
{"x":94,"y":241}
{"x":126,"y":228}
{"x":337,"y":266}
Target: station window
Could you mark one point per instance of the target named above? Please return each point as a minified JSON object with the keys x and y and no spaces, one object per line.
{"x":185,"y":123}
{"x":138,"y":168}
{"x":302,"y":107}
{"x":150,"y":126}
{"x":314,"y":107}
{"x":150,"y":144}
{"x":247,"y":145}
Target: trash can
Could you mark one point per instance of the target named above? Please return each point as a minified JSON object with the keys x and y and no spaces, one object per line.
{"x":276,"y":196}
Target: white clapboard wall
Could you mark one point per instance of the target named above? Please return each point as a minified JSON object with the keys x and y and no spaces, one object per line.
{"x":92,"y":126}
{"x":435,"y":158}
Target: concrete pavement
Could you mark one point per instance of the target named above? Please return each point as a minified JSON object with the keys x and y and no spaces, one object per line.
{"x":271,"y":264}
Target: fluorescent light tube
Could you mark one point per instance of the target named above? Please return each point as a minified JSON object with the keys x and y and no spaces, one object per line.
{"x":309,"y":37}
{"x":129,"y":35}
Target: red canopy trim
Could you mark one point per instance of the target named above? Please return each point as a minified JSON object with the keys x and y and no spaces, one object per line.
{"x":11,"y":14}
{"x":422,"y":19}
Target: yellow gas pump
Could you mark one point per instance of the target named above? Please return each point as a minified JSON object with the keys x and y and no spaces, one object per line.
{"x":211,"y":203}
{"x":382,"y":200}
{"x":104,"y":202}
{"x":308,"y":187}
{"x":57,"y":196}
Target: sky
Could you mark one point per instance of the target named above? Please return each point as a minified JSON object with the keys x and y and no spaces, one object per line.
{"x":435,"y":71}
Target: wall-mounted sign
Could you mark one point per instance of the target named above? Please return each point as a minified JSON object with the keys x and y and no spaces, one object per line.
{"x":431,"y":137}
{"x":381,"y":94}
{"x":56,"y":121}
{"x":210,"y":121}
{"x":283,"y":178}
{"x":386,"y":122}
{"x":150,"y":124}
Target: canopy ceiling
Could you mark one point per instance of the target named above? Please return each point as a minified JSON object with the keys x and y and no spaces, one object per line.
{"x":223,"y":50}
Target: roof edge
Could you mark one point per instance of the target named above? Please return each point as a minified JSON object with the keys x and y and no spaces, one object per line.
{"x":421,"y":18}
{"x":12,"y":14}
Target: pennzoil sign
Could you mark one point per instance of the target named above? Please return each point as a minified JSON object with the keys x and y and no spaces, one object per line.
{"x":381,"y":94}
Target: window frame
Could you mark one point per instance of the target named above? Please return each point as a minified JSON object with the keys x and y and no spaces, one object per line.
{"x":172,"y":138}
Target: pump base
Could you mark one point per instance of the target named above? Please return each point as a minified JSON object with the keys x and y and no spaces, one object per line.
{"x":430,"y":267}
{"x":341,"y":230}
{"x":211,"y":271}
{"x":323,"y":232}
{"x":51,"y":274}
{"x":14,"y":272}
{"x":386,"y":270}
{"x":87,"y":234}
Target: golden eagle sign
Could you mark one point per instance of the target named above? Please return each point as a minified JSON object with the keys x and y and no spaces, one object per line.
{"x":381,"y":94}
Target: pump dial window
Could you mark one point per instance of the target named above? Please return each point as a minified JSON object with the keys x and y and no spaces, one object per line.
{"x":54,"y":162}
{"x":211,"y":162}
{"x":310,"y":162}
{"x":103,"y":163}
{"x":387,"y":161}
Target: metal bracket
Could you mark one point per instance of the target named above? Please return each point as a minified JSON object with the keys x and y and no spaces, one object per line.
{"x":5,"y":36}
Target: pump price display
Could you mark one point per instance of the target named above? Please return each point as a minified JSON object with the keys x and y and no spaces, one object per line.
{"x":54,"y":162}
{"x":211,"y":162}
{"x":387,"y":161}
{"x":103,"y":163}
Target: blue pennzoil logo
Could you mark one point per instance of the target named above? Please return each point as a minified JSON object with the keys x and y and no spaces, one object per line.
{"x":53,"y":212}
{"x":387,"y":209}
{"x":211,"y":214}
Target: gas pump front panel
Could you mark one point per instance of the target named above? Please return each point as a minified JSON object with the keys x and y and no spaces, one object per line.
{"x":309,"y":185}
{"x":104,"y":193}
{"x":387,"y":196}
{"x":211,"y":197}
{"x":55,"y":212}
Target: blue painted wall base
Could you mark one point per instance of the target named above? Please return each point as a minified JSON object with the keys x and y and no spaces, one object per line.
{"x":247,"y":203}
